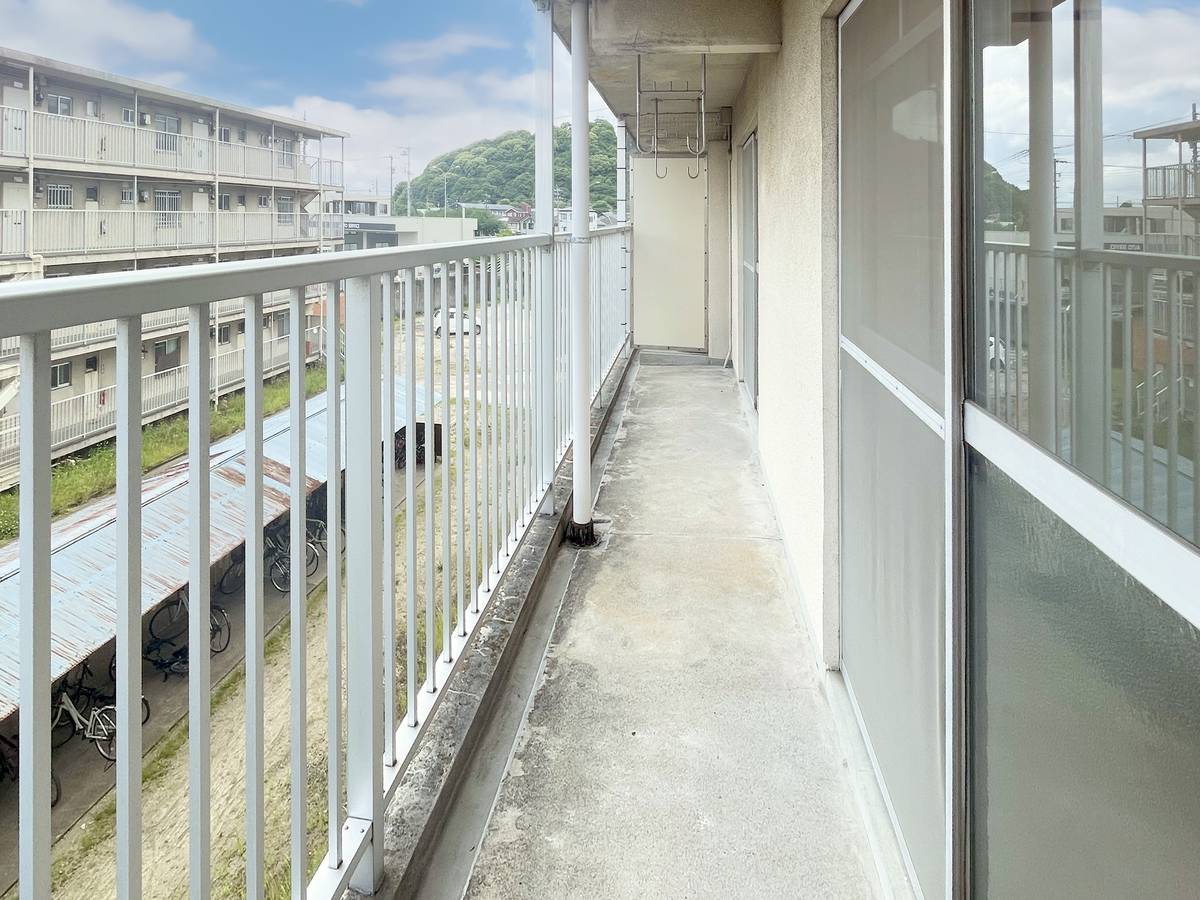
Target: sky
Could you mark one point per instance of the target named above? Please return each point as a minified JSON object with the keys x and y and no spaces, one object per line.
{"x":1151,"y":76}
{"x":430,"y":76}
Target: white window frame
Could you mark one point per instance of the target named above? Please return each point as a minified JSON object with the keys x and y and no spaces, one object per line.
{"x":60,"y":375}
{"x":264,"y":201}
{"x":126,"y":194}
{"x":92,"y":108}
{"x":60,"y":196}
{"x":224,"y":133}
{"x":127,"y":116}
{"x":56,"y":103}
{"x":223,"y":201}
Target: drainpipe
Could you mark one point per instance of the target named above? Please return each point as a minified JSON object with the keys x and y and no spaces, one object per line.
{"x":544,"y":216}
{"x":581,"y":530}
{"x":29,"y":132}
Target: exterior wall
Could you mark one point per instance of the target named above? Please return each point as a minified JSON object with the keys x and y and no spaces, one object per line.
{"x":789,"y":98}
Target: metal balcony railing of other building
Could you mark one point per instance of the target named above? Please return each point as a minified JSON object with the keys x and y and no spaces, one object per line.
{"x":501,"y":421}
{"x":1178,"y":181}
{"x":95,"y":334}
{"x":83,"y":139}
{"x":90,"y":417}
{"x":79,"y":231}
{"x":1151,"y":383}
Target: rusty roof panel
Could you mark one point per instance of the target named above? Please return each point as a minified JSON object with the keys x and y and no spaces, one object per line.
{"x":83,"y":543}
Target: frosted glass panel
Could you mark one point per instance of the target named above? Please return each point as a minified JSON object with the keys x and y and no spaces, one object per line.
{"x":891,"y":206}
{"x":1086,"y":714}
{"x":892,"y":602}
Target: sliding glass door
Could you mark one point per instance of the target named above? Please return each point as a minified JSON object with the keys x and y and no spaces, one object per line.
{"x":1084,"y":723}
{"x":891,"y":408}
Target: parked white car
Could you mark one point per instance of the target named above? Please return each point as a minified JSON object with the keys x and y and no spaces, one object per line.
{"x":455,"y":323}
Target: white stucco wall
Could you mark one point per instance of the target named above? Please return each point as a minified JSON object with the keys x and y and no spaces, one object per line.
{"x":789,"y":98}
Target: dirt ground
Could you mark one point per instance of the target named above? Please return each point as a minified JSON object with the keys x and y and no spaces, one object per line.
{"x":84,"y":865}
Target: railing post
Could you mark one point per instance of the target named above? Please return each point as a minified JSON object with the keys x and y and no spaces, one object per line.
{"x":34,"y":751}
{"x":581,"y":530}
{"x":544,"y":222}
{"x":364,"y":509}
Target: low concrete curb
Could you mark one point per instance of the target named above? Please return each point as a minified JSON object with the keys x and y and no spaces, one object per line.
{"x":442,"y":757}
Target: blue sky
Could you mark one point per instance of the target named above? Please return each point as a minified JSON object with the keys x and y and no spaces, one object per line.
{"x":394,"y":73}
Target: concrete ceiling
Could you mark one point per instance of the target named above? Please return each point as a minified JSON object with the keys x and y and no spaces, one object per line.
{"x":670,"y":35}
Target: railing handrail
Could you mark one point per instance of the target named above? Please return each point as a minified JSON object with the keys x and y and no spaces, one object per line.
{"x":40,"y":305}
{"x":1174,"y":262}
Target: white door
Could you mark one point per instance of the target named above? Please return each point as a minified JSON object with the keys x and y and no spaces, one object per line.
{"x":14,"y":101}
{"x":14,"y":200}
{"x":198,"y":157}
{"x":668,"y":253}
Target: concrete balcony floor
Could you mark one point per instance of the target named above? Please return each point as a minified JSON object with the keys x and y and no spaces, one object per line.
{"x":682,"y":740}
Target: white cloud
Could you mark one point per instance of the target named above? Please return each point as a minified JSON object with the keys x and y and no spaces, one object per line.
{"x":450,"y":44}
{"x":104,"y":34}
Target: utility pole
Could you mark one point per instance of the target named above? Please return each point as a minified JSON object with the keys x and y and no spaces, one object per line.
{"x":391,"y":181}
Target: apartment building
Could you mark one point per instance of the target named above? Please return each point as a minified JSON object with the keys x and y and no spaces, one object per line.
{"x":100,"y":173}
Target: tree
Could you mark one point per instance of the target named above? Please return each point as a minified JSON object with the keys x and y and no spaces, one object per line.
{"x":501,"y":170}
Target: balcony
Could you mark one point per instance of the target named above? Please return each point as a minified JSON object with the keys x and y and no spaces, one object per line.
{"x":1173,"y":182}
{"x":74,"y":232}
{"x":492,"y":412}
{"x":89,"y":141}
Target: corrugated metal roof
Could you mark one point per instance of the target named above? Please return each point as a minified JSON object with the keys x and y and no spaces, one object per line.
{"x":83,"y":555}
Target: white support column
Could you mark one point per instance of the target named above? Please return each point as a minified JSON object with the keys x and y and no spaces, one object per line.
{"x":34,"y":622}
{"x":544,"y":224}
{"x":216,"y":225}
{"x":1043,"y":304}
{"x":581,"y":530}
{"x":622,"y":173}
{"x":1087,"y":389}
{"x":364,"y":545}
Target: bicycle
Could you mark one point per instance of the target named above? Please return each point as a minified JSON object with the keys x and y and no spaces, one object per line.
{"x":175,"y":663}
{"x":100,"y":726}
{"x":279,"y":569}
{"x":318,"y":534}
{"x":169,"y":622}
{"x":9,"y":757}
{"x":234,"y":576}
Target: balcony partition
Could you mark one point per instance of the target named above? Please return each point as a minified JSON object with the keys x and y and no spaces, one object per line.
{"x":484,"y":439}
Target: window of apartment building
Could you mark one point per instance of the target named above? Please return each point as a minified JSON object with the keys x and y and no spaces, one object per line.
{"x":1157,"y":226}
{"x":167,"y":206}
{"x":58,"y":105}
{"x":167,"y":128}
{"x":224,"y":333}
{"x":59,"y":196}
{"x":166,"y":354}
{"x":127,"y":116}
{"x":223,"y":134}
{"x":60,"y":375}
{"x":287,"y":149}
{"x":264,"y":201}
{"x":283,"y":324}
{"x":285,"y":207}
{"x":241,"y":201}
{"x":223,"y":202}
{"x":91,"y":364}
{"x":92,"y":193}
{"x":92,"y":108}
{"x":242,"y":135}
{"x":126,"y":194}
{"x":242,"y":326}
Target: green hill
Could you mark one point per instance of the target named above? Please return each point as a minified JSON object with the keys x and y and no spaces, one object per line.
{"x":500,"y":170}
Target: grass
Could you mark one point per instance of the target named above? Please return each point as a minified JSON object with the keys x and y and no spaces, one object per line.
{"x":91,"y":473}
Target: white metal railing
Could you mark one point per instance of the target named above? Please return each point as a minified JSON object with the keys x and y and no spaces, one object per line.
{"x":59,"y":231}
{"x":487,"y":432}
{"x":89,"y":140}
{"x":1173,"y":182}
{"x":13,"y":131}
{"x":1148,"y":389}
{"x":90,"y":417}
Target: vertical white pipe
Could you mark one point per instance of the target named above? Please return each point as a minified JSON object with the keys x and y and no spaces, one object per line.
{"x":581,"y":531}
{"x":1087,"y":308}
{"x":129,"y":608}
{"x":199,"y":687}
{"x":333,"y":561}
{"x":298,"y":596}
{"x":364,"y":505}
{"x":255,"y":624}
{"x":34,"y":623}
